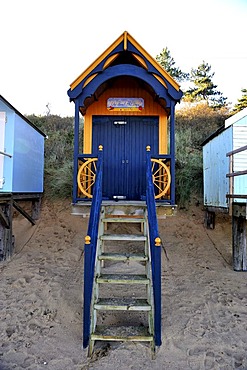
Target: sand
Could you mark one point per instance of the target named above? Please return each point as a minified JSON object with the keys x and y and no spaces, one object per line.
{"x":204,"y":302}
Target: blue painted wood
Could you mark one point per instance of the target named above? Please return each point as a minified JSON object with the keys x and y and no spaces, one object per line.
{"x":130,"y":49}
{"x":90,"y":250}
{"x":155,"y":251}
{"x":76,"y":152}
{"x":22,"y":171}
{"x":124,"y":165}
{"x":172,"y":152}
{"x":124,"y":70}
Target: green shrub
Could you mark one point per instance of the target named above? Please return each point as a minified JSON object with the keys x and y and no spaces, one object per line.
{"x":59,"y":151}
{"x":59,"y":181}
{"x":194,"y":123}
{"x":189,"y":169}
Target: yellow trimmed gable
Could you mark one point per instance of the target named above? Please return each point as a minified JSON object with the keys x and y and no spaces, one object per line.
{"x":125,"y":37}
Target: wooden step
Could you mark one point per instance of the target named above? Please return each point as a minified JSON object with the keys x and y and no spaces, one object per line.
{"x":123,"y":257}
{"x":122,"y":304}
{"x":125,"y":237}
{"x":122,"y":333}
{"x":124,"y":219}
{"x":122,"y":279}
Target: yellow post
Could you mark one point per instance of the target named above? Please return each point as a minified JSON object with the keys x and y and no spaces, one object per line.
{"x":87,"y":239}
{"x":100,"y":148}
{"x":148,"y":148}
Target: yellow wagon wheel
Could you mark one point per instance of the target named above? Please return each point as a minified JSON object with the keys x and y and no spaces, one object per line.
{"x":86,"y":177}
{"x":161,"y":177}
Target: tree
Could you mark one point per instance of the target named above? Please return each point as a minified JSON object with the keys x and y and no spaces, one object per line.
{"x":167,"y":62}
{"x":204,"y":88}
{"x":242,"y":102}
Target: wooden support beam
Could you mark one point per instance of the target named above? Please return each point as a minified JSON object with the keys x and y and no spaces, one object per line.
{"x":4,"y":219}
{"x":7,"y":202}
{"x":210,"y":219}
{"x":36,"y":205}
{"x":239,"y":237}
{"x":6,"y":237}
{"x":23,"y":212}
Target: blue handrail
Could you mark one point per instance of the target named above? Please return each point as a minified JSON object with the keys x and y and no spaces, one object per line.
{"x":155,"y":248}
{"x":90,"y":248}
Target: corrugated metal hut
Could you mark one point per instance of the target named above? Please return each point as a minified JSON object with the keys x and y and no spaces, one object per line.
{"x":128,"y":102}
{"x":21,"y":170}
{"x":230,"y":137}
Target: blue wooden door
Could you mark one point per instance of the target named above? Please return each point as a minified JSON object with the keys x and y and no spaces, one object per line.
{"x":125,"y":140}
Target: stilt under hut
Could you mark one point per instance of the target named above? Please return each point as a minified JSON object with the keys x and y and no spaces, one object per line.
{"x":21,"y":171}
{"x":125,"y":172}
{"x":225,"y":181}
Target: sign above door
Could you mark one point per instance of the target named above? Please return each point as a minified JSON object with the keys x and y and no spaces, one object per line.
{"x":125,"y":104}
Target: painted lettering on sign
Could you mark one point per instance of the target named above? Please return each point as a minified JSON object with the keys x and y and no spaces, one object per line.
{"x":125,"y":104}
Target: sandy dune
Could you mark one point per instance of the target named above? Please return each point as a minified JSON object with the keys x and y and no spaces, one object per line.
{"x":204,"y":313}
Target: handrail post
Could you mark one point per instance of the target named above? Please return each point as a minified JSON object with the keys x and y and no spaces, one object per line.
{"x":155,"y":248}
{"x":90,"y":248}
{"x":231,"y":183}
{"x":76,"y":150}
{"x":238,"y":212}
{"x":172,"y":151}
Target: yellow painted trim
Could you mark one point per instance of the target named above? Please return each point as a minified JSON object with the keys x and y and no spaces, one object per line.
{"x":154,"y":62}
{"x":160,"y":80}
{"x":125,"y":37}
{"x":87,"y":138}
{"x":140,"y":60}
{"x":163,"y":135}
{"x":110,"y":60}
{"x":125,"y":40}
{"x":90,"y":79}
{"x":96,"y":62}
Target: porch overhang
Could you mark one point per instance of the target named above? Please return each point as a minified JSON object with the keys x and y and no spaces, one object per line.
{"x":124,"y":57}
{"x":162,"y":91}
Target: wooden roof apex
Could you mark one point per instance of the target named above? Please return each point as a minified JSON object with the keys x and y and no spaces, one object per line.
{"x":125,"y":42}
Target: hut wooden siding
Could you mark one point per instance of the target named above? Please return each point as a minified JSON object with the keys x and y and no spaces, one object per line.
{"x":231,"y":136}
{"x":125,"y":71}
{"x":22,"y":166}
{"x":21,"y":171}
{"x":129,"y":88}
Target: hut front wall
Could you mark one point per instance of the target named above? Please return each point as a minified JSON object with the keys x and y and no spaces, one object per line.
{"x":28,"y":158}
{"x":240,"y":159}
{"x":128,"y":88}
{"x":7,"y":162}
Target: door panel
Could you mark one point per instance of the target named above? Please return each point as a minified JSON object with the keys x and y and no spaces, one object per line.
{"x":125,"y":140}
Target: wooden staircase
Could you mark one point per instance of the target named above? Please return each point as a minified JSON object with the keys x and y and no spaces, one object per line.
{"x":122,"y":299}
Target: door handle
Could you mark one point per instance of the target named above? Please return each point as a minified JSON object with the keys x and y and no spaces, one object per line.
{"x":127,"y":161}
{"x":123,"y":161}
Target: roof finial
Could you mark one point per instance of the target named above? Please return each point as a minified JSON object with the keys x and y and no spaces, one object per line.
{"x":125,"y":40}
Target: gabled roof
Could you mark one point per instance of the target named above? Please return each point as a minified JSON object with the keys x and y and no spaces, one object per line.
{"x":236,"y":117}
{"x":125,"y":56}
{"x":21,"y":115}
{"x":228,"y":122}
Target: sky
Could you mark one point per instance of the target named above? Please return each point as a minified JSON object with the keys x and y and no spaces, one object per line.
{"x":46,"y":44}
